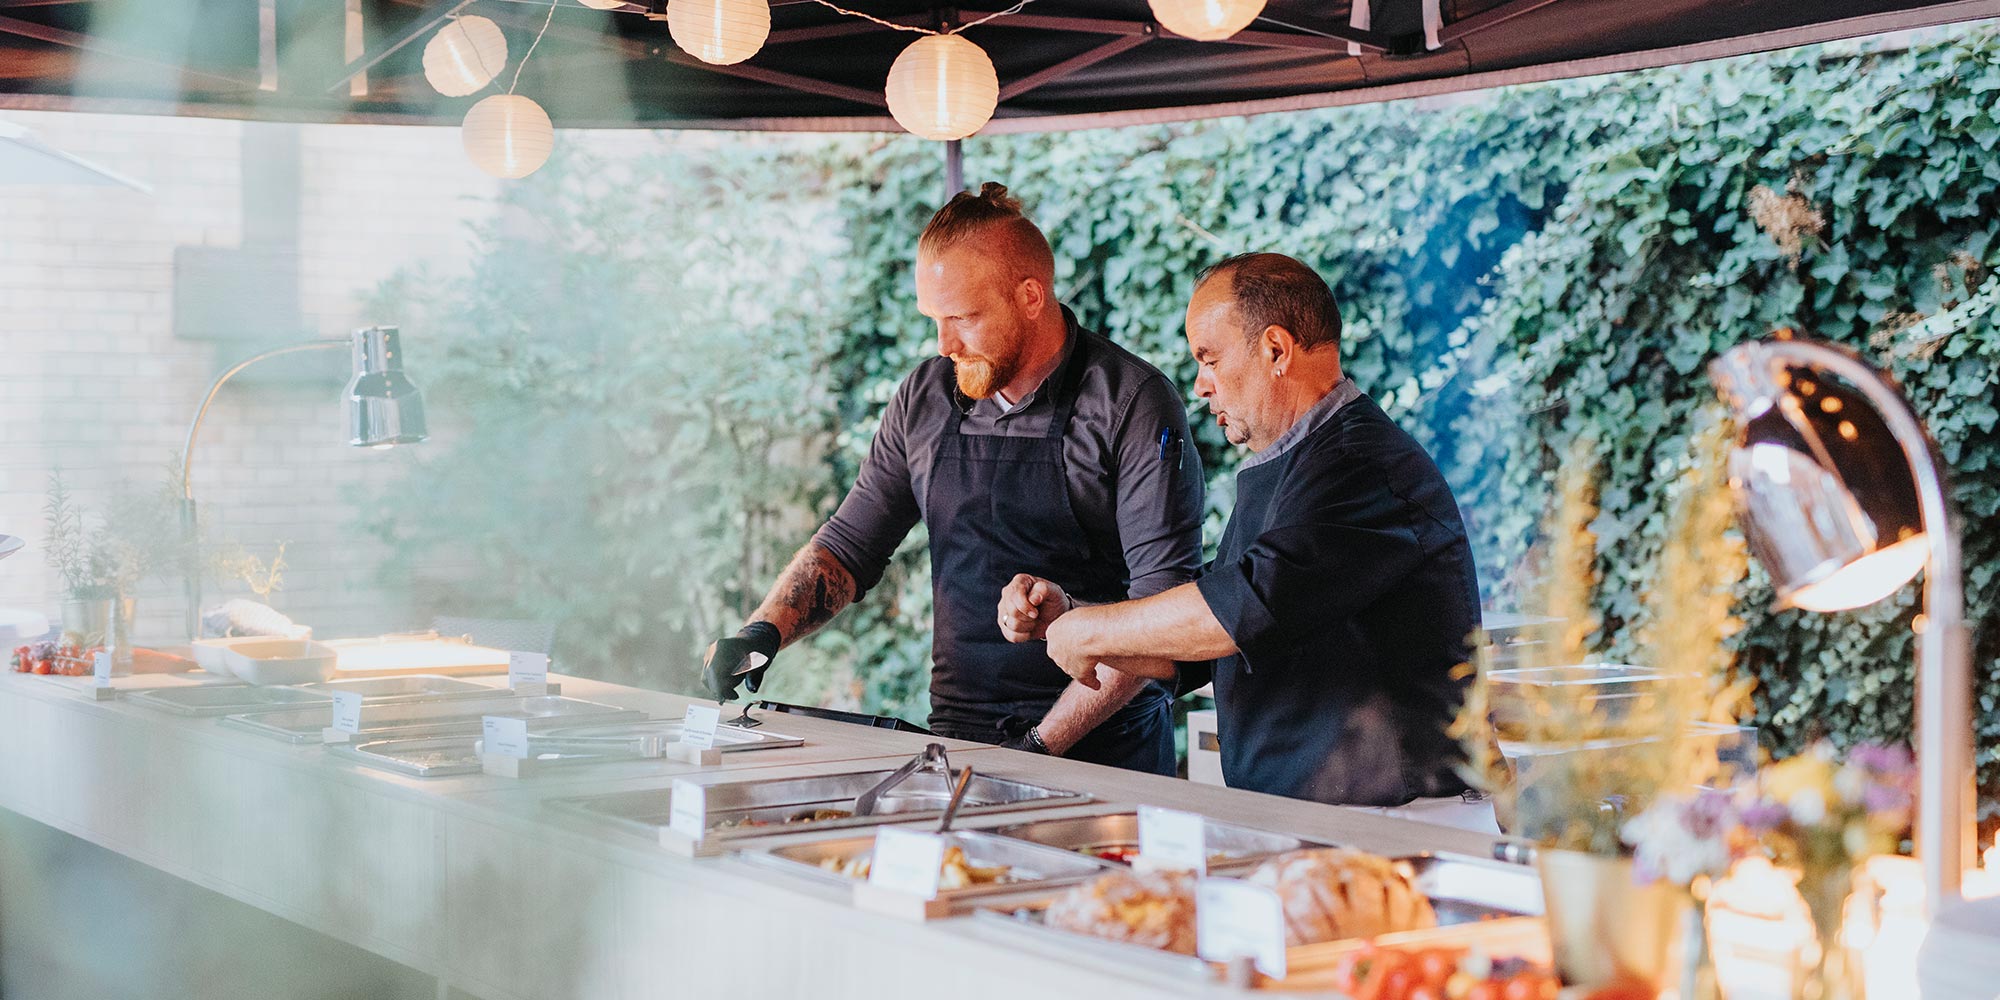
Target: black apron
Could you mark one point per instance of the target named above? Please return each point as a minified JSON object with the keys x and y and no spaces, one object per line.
{"x":997,"y":506}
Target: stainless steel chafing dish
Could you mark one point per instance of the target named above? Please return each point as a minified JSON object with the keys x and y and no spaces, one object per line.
{"x":1462,"y":891}
{"x":736,"y":810}
{"x":442,"y":756}
{"x":1027,"y":866}
{"x":1114,"y":837}
{"x":447,"y":717}
{"x":241,"y":699}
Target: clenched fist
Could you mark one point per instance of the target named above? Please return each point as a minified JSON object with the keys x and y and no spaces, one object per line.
{"x":1028,"y":605}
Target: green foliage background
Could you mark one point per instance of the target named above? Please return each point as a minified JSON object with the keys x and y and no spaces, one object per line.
{"x":1516,"y":270}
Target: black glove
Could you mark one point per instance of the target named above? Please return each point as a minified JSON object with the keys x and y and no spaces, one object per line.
{"x":727,"y":656}
{"x":1030,"y":741}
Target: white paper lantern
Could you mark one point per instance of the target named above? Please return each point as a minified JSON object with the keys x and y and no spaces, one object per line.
{"x":1206,"y":20}
{"x":603,"y":4}
{"x":943,"y":87}
{"x":508,"y":135}
{"x":719,"y":31}
{"x":465,"y":55}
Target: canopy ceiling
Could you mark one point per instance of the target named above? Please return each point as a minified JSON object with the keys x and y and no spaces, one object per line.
{"x":1062,"y":63}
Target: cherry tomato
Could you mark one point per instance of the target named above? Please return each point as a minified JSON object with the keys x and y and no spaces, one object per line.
{"x":41,"y":666}
{"x":1484,"y":990}
{"x":1625,"y":991}
{"x":1396,"y":984}
{"x":1425,"y":991}
{"x":1522,"y":986}
{"x":1436,"y":966}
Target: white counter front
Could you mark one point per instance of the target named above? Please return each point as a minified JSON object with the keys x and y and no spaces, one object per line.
{"x":472,"y":880}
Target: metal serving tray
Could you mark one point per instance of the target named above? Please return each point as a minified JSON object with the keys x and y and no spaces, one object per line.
{"x":1230,"y":847}
{"x":761,"y":808}
{"x":408,"y":687}
{"x":433,"y":757}
{"x":438,"y":717}
{"x":1031,"y":865}
{"x":225,"y":699}
{"x":625,"y":738}
{"x":240,"y":699}
{"x":443,"y":756}
{"x":1462,"y":891}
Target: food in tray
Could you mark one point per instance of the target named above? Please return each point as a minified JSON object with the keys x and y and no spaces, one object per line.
{"x":1125,"y":854}
{"x":1440,"y":974}
{"x":806,"y":816}
{"x":1155,"y":909}
{"x":1332,"y":893}
{"x":957,"y":873}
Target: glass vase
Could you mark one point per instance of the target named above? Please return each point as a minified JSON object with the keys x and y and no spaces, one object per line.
{"x":1833,"y":970}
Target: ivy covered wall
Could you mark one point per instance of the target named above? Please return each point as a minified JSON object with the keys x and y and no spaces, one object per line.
{"x":1549,"y":262}
{"x":1516,"y":270}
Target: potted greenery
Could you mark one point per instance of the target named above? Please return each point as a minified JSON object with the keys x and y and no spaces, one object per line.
{"x":1584,"y":762}
{"x":101,"y":559}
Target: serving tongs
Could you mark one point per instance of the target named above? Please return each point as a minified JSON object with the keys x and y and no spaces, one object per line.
{"x":933,"y":755}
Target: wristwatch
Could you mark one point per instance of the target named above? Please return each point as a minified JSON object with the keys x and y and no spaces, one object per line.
{"x":1035,"y":740}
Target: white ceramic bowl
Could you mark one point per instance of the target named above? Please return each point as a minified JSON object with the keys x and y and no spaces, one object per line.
{"x":263,"y":660}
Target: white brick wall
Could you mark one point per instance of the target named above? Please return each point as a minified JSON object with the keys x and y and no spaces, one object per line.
{"x":93,"y":378}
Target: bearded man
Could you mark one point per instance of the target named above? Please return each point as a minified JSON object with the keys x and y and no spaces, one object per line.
{"x":1030,"y":445}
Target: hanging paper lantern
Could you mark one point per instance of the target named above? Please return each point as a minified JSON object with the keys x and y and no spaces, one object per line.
{"x":1206,"y":20}
{"x":719,"y":31}
{"x":465,"y":55}
{"x":943,"y":87}
{"x":603,"y":4}
{"x":508,"y":135}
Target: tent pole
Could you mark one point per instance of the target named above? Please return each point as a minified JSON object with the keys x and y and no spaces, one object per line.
{"x":954,"y":168}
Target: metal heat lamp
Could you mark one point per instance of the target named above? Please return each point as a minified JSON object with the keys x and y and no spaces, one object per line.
{"x":1843,"y":501}
{"x":384,"y":409}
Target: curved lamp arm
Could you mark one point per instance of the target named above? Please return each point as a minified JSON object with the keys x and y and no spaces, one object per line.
{"x":188,"y":520}
{"x":1945,"y":840}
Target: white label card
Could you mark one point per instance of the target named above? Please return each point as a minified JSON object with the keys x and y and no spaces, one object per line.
{"x":698,"y":726}
{"x":527,"y":669}
{"x":1171,"y":840}
{"x":1235,"y":919}
{"x":907,"y":861}
{"x":347,"y":711}
{"x":504,"y":737}
{"x":100,"y":668}
{"x":688,"y":814}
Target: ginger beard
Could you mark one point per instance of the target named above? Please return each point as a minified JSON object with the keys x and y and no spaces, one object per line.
{"x":980,"y":376}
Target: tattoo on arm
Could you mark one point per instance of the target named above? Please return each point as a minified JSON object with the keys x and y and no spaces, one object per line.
{"x":811,"y":590}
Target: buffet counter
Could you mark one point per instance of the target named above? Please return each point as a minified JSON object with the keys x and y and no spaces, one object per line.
{"x":477,"y":880}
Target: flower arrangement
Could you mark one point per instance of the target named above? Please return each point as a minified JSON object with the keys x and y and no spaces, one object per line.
{"x":1812,"y":812}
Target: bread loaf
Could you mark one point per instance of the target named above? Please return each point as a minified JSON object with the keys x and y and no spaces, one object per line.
{"x":1332,"y":894}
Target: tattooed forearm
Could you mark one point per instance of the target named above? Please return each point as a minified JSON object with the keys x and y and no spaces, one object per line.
{"x":812,"y":589}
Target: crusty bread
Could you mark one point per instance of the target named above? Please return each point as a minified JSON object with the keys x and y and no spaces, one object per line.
{"x":1332,"y":894}
{"x":1154,"y":909}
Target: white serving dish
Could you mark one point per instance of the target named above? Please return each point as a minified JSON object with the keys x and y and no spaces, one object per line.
{"x":208,"y":653}
{"x":265,"y":660}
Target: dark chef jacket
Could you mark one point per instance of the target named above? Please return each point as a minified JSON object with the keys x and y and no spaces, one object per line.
{"x":1346,"y":581}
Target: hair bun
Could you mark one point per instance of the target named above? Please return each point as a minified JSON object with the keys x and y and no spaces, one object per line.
{"x":995,"y":193}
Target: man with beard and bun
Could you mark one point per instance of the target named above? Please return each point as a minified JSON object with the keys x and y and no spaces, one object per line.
{"x":1030,"y":445}
{"x":1342,"y":593}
